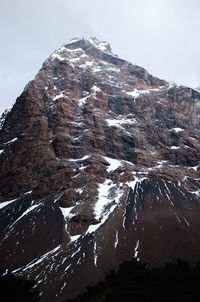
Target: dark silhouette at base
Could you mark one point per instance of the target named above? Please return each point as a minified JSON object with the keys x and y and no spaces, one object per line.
{"x":13,"y":288}
{"x":135,"y":282}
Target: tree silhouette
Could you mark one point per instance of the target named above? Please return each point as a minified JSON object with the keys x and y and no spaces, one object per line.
{"x":134,"y":282}
{"x":13,"y":288}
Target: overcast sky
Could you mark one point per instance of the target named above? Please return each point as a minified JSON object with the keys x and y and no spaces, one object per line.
{"x":159,"y":35}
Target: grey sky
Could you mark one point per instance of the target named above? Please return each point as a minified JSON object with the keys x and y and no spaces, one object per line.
{"x":159,"y":35}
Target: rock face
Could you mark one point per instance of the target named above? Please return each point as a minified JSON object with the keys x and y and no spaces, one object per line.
{"x":99,"y":164}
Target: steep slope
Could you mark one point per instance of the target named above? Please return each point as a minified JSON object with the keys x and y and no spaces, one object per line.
{"x":99,"y":164}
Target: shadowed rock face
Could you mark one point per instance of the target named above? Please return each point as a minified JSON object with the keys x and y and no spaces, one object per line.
{"x":99,"y":164}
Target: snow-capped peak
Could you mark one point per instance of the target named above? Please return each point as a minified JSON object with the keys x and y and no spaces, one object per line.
{"x":102,"y":45}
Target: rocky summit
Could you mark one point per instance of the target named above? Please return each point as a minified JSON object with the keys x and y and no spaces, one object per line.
{"x":99,"y":164}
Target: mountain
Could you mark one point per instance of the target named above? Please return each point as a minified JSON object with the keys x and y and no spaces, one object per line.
{"x":99,"y":164}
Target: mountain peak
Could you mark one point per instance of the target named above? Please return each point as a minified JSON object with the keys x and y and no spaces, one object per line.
{"x":99,"y":164}
{"x":102,"y":45}
{"x":92,"y":41}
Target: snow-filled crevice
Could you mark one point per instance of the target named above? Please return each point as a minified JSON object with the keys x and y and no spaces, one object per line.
{"x":108,"y":199}
{"x":131,"y":203}
{"x":136,"y":251}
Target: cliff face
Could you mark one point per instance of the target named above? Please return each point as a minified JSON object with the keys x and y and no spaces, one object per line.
{"x":99,"y":163}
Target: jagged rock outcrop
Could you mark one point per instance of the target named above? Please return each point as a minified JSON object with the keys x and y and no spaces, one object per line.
{"x":99,"y":165}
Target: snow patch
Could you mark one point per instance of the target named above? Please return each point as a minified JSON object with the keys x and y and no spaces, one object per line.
{"x":74,"y":238}
{"x":80,"y":159}
{"x":114,"y":163}
{"x":95,"y":89}
{"x":82,"y":101}
{"x":74,"y":60}
{"x":95,"y":253}
{"x":113,"y":69}
{"x":194,"y":168}
{"x":156,"y":167}
{"x":177,"y":218}
{"x":177,"y":129}
{"x":61,"y":290}
{"x":136,"y":249}
{"x":196,"y":192}
{"x":79,"y":191}
{"x":87,"y":63}
{"x":116,"y":239}
{"x":162,"y":162}
{"x":101,"y":45}
{"x":74,"y":50}
{"x":11,"y":141}
{"x":137,"y":92}
{"x":119,"y":122}
{"x":186,"y":221}
{"x":194,"y":139}
{"x":57,"y":56}
{"x":61,"y":95}
{"x":105,"y":197}
{"x":76,"y":252}
{"x":66,"y":212}
{"x":5,"y":203}
{"x":171,"y":85}
{"x":133,"y":183}
{"x":27,"y":211}
{"x":96,"y":69}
